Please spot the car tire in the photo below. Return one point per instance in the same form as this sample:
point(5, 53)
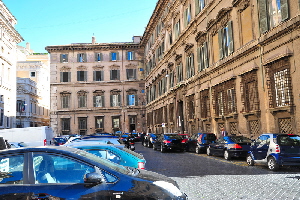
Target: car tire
point(227, 155)
point(208, 151)
point(162, 149)
point(249, 160)
point(197, 150)
point(272, 164)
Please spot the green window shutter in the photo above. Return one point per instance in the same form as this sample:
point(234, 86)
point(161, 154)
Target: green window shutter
point(127, 55)
point(220, 35)
point(118, 56)
point(133, 55)
point(284, 8)
point(119, 100)
point(84, 57)
point(187, 67)
point(78, 57)
point(110, 56)
point(230, 32)
point(85, 75)
point(102, 75)
point(111, 100)
point(136, 100)
point(78, 75)
point(118, 74)
point(197, 7)
point(101, 56)
point(103, 101)
point(205, 55)
point(199, 58)
point(61, 58)
point(127, 98)
point(193, 65)
point(69, 76)
point(263, 17)
point(94, 101)
point(96, 57)
point(94, 75)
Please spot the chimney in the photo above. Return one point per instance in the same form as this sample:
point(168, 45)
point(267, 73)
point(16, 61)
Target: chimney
point(93, 40)
point(136, 39)
point(28, 46)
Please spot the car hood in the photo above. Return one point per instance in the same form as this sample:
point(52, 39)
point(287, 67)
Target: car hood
point(153, 176)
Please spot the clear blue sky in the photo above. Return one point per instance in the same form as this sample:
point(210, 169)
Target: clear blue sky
point(59, 22)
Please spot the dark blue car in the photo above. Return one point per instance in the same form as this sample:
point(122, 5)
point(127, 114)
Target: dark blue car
point(230, 146)
point(69, 173)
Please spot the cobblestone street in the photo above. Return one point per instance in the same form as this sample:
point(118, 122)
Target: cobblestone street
point(268, 186)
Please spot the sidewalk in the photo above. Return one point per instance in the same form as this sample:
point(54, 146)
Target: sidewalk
point(250, 187)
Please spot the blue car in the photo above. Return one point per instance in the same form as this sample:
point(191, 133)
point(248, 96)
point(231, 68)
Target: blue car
point(69, 173)
point(275, 150)
point(123, 156)
point(230, 146)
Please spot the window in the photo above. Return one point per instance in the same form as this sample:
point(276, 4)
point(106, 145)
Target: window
point(115, 100)
point(179, 73)
point(66, 170)
point(200, 4)
point(282, 91)
point(114, 74)
point(272, 13)
point(98, 75)
point(171, 79)
point(132, 100)
point(99, 122)
point(131, 74)
point(98, 100)
point(82, 97)
point(11, 169)
point(225, 40)
point(63, 58)
point(231, 104)
point(130, 55)
point(98, 57)
point(205, 104)
point(65, 76)
point(190, 69)
point(249, 92)
point(81, 75)
point(220, 104)
point(177, 29)
point(114, 56)
point(65, 124)
point(202, 57)
point(187, 15)
point(81, 57)
point(20, 106)
point(65, 100)
point(82, 125)
point(115, 122)
point(32, 74)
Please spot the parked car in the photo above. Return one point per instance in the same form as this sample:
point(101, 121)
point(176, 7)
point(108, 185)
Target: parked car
point(199, 142)
point(17, 144)
point(123, 156)
point(102, 140)
point(275, 150)
point(57, 141)
point(169, 141)
point(69, 173)
point(230, 146)
point(149, 139)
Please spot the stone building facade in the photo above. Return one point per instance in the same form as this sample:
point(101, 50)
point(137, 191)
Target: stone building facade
point(97, 87)
point(232, 64)
point(9, 38)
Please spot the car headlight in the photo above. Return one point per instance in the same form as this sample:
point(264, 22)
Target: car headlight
point(169, 187)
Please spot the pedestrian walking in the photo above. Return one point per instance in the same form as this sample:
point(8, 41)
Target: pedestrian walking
point(224, 132)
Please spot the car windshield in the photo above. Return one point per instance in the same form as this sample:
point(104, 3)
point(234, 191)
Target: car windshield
point(240, 139)
point(289, 140)
point(174, 136)
point(60, 139)
point(104, 162)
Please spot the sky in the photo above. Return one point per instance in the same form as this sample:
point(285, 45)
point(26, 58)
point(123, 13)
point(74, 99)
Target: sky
point(60, 22)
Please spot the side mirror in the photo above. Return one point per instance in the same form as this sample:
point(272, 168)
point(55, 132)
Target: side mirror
point(92, 179)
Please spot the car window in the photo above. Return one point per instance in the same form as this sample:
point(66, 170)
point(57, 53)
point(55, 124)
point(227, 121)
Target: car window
point(263, 140)
point(289, 140)
point(105, 154)
point(173, 137)
point(240, 139)
point(57, 169)
point(11, 169)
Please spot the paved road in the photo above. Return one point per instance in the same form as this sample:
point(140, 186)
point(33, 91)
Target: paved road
point(208, 177)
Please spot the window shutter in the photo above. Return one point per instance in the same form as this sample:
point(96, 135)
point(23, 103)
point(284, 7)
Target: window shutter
point(84, 57)
point(110, 74)
point(193, 65)
point(135, 100)
point(78, 56)
point(187, 67)
point(78, 76)
point(111, 101)
point(133, 55)
point(119, 100)
point(102, 75)
point(61, 76)
point(197, 7)
point(94, 75)
point(61, 58)
point(284, 8)
point(85, 75)
point(110, 56)
point(103, 101)
point(220, 35)
point(134, 74)
point(94, 100)
point(118, 74)
point(96, 56)
point(230, 32)
point(127, 55)
point(263, 19)
point(128, 99)
point(117, 56)
point(199, 58)
point(205, 55)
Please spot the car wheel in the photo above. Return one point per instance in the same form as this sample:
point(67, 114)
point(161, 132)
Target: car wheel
point(249, 160)
point(272, 164)
point(162, 149)
point(208, 151)
point(226, 155)
point(197, 150)
point(153, 147)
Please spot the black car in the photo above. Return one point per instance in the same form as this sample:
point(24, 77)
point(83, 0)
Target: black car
point(199, 142)
point(230, 146)
point(69, 173)
point(169, 141)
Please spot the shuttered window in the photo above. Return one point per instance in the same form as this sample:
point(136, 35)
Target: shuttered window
point(81, 75)
point(202, 57)
point(98, 76)
point(225, 36)
point(114, 74)
point(98, 57)
point(65, 76)
point(63, 58)
point(131, 74)
point(81, 57)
